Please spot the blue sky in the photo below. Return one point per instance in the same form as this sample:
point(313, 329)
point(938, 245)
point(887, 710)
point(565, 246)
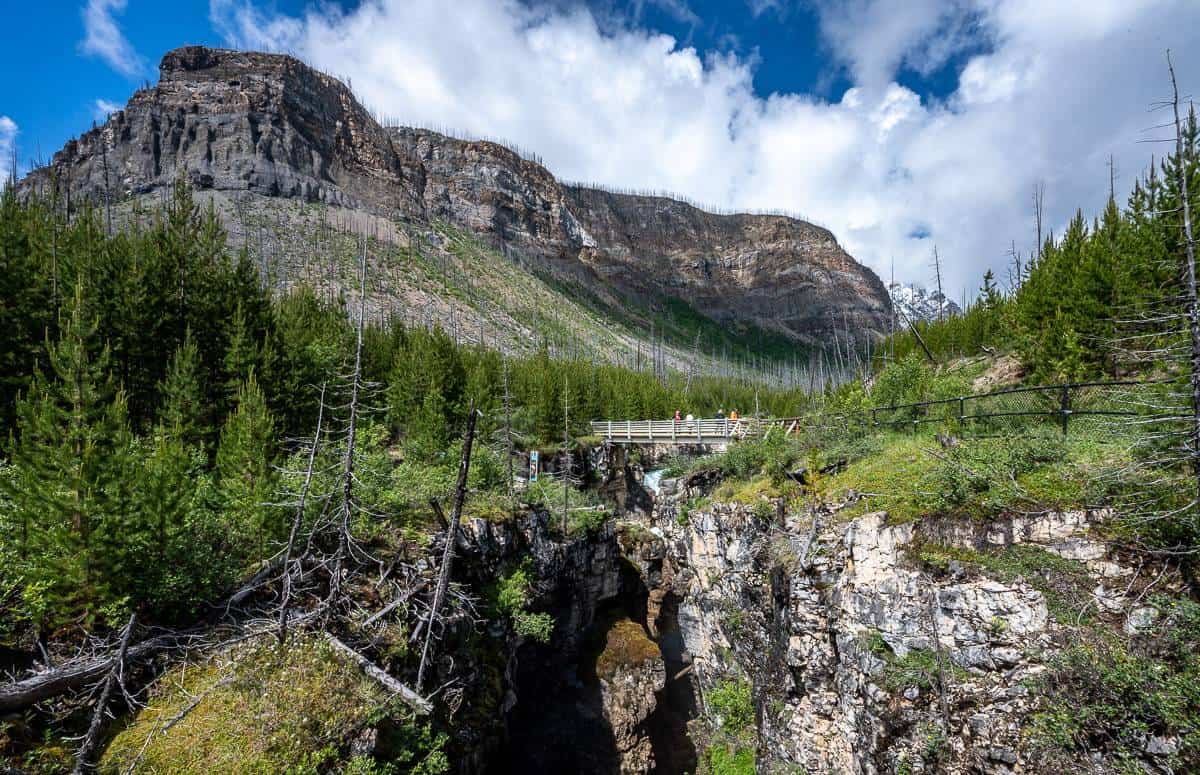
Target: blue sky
point(898, 124)
point(54, 85)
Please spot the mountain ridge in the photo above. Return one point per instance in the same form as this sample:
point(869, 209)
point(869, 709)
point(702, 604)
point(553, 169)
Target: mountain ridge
point(271, 126)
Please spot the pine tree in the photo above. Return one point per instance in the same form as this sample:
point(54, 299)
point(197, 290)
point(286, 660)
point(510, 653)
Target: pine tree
point(183, 415)
point(24, 305)
point(244, 474)
point(68, 465)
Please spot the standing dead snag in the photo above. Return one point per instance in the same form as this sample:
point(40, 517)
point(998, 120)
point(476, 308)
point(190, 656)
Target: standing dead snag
point(566, 474)
point(116, 676)
point(286, 596)
point(1193, 306)
point(346, 507)
point(460, 494)
point(508, 437)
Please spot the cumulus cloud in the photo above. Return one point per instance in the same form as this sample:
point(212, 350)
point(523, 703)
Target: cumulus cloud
point(1051, 91)
point(8, 139)
point(103, 38)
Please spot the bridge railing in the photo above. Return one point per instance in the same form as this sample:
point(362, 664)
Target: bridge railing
point(679, 431)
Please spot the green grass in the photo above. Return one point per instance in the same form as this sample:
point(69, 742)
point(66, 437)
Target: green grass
point(914, 476)
point(890, 480)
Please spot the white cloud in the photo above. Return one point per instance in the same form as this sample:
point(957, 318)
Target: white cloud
point(8, 139)
point(1060, 87)
point(102, 109)
point(103, 38)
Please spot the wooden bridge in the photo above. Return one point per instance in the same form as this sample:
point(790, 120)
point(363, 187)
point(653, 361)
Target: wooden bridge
point(685, 432)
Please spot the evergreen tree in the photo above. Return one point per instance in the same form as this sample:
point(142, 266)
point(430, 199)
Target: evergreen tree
point(24, 304)
point(245, 478)
point(68, 464)
point(183, 415)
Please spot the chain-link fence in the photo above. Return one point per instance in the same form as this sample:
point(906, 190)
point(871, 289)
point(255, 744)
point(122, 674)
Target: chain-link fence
point(1104, 408)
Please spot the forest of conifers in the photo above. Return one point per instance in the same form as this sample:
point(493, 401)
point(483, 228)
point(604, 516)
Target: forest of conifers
point(1081, 305)
point(152, 391)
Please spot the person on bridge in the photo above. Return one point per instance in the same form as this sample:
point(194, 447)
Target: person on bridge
point(733, 415)
point(677, 416)
point(720, 414)
point(690, 419)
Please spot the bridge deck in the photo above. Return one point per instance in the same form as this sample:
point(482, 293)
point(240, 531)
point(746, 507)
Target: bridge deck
point(676, 431)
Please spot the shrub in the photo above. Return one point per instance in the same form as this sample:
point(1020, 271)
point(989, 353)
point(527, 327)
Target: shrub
point(512, 595)
point(773, 456)
point(731, 702)
point(1104, 696)
point(722, 760)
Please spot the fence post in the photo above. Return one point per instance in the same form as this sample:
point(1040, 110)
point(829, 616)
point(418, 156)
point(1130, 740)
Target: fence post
point(1064, 407)
point(962, 411)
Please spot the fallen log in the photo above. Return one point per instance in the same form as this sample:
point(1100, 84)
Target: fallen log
point(410, 697)
point(51, 683)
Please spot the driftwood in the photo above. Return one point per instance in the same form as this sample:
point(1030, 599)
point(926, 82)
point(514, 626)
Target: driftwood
point(116, 669)
point(410, 697)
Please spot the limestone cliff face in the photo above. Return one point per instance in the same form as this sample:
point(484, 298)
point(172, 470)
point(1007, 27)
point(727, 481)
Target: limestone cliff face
point(269, 125)
point(817, 618)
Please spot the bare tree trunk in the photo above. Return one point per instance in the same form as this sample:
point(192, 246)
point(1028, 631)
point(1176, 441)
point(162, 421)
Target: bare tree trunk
point(1039, 199)
point(937, 646)
point(1193, 312)
point(460, 494)
point(566, 475)
point(410, 697)
point(352, 427)
point(508, 439)
point(937, 269)
point(298, 519)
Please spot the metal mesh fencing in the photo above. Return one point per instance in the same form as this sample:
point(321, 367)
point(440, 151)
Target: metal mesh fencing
point(1104, 409)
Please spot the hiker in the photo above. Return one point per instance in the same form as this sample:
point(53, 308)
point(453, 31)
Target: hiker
point(690, 419)
point(677, 416)
point(720, 414)
point(733, 415)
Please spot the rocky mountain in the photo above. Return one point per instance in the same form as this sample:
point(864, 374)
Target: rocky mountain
point(257, 132)
point(916, 303)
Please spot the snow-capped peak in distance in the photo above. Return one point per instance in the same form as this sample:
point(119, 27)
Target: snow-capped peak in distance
point(915, 303)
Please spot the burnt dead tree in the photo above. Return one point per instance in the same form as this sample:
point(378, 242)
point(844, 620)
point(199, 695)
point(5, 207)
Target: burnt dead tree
point(443, 582)
point(1190, 298)
point(290, 572)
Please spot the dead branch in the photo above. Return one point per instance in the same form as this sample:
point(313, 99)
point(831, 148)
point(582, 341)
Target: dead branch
point(51, 683)
point(403, 598)
point(410, 697)
point(83, 758)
